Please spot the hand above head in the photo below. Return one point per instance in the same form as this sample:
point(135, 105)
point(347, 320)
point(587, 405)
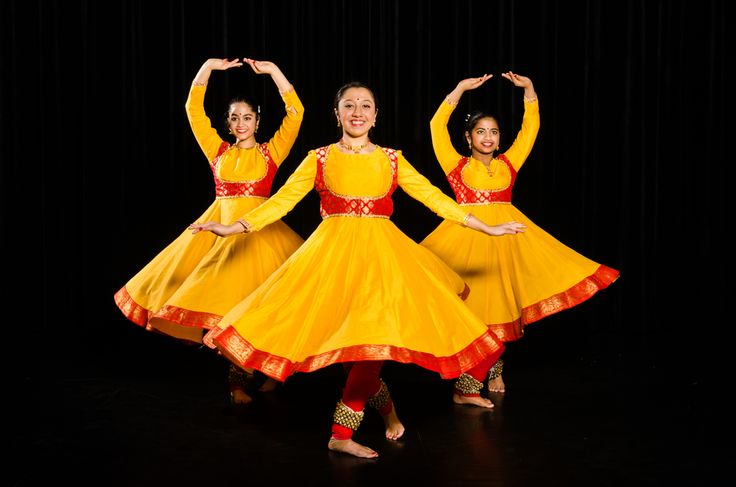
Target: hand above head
point(267, 67)
point(261, 67)
point(223, 64)
point(473, 83)
point(517, 79)
point(523, 82)
point(213, 64)
point(465, 85)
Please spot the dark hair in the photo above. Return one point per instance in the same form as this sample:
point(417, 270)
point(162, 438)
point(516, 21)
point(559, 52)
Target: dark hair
point(472, 119)
point(353, 84)
point(241, 99)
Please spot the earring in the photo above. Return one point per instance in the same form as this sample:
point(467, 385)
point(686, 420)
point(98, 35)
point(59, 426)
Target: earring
point(374, 123)
point(338, 122)
point(470, 146)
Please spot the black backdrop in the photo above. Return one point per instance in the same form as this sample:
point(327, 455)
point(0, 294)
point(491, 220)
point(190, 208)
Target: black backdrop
point(100, 169)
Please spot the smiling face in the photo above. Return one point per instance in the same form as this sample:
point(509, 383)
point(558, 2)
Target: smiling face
point(242, 122)
point(484, 137)
point(356, 112)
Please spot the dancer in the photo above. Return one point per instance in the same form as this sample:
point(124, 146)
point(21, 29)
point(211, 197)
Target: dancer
point(513, 282)
point(359, 291)
point(187, 288)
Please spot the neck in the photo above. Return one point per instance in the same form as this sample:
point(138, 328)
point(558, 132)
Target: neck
point(354, 145)
point(245, 143)
point(484, 158)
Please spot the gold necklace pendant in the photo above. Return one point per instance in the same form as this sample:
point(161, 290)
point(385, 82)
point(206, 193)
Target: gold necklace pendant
point(355, 148)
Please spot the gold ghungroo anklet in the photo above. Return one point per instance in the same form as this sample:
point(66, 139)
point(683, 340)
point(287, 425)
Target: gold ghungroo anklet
point(344, 416)
point(467, 385)
point(380, 398)
point(496, 370)
point(238, 378)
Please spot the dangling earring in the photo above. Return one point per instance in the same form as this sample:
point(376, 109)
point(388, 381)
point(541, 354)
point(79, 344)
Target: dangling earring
point(470, 146)
point(374, 123)
point(338, 122)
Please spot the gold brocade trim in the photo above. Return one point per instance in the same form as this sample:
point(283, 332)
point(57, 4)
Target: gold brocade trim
point(508, 332)
point(344, 416)
point(132, 310)
point(468, 385)
point(355, 215)
point(186, 317)
point(234, 196)
point(243, 353)
point(486, 203)
point(585, 289)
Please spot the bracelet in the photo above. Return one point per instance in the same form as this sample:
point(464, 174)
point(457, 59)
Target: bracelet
point(199, 83)
point(246, 227)
point(530, 100)
point(449, 102)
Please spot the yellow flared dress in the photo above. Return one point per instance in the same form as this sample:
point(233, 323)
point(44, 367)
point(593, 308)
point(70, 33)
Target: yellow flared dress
point(358, 288)
point(513, 282)
point(188, 287)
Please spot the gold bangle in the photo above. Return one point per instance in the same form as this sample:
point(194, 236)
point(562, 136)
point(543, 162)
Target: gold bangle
point(530, 100)
point(246, 227)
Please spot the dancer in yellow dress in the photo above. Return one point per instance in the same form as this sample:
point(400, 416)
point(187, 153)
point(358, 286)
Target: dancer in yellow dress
point(513, 282)
point(188, 287)
point(359, 291)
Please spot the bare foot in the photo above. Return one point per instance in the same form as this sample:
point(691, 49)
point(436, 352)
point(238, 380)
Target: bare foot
point(394, 428)
point(496, 385)
point(269, 385)
point(239, 397)
point(351, 448)
point(472, 401)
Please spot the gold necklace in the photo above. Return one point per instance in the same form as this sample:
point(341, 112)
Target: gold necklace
point(354, 148)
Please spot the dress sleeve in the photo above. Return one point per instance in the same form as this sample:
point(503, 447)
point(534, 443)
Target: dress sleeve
point(419, 188)
point(285, 199)
point(207, 137)
point(281, 143)
point(522, 146)
point(443, 149)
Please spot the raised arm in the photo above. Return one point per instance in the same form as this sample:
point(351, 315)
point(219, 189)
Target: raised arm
point(207, 137)
point(283, 140)
point(527, 135)
point(446, 154)
point(522, 82)
point(203, 75)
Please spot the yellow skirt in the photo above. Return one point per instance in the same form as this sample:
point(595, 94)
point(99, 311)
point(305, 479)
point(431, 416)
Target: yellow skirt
point(188, 287)
point(357, 289)
point(517, 279)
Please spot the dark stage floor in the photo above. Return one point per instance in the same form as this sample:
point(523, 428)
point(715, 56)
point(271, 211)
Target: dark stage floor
point(142, 421)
